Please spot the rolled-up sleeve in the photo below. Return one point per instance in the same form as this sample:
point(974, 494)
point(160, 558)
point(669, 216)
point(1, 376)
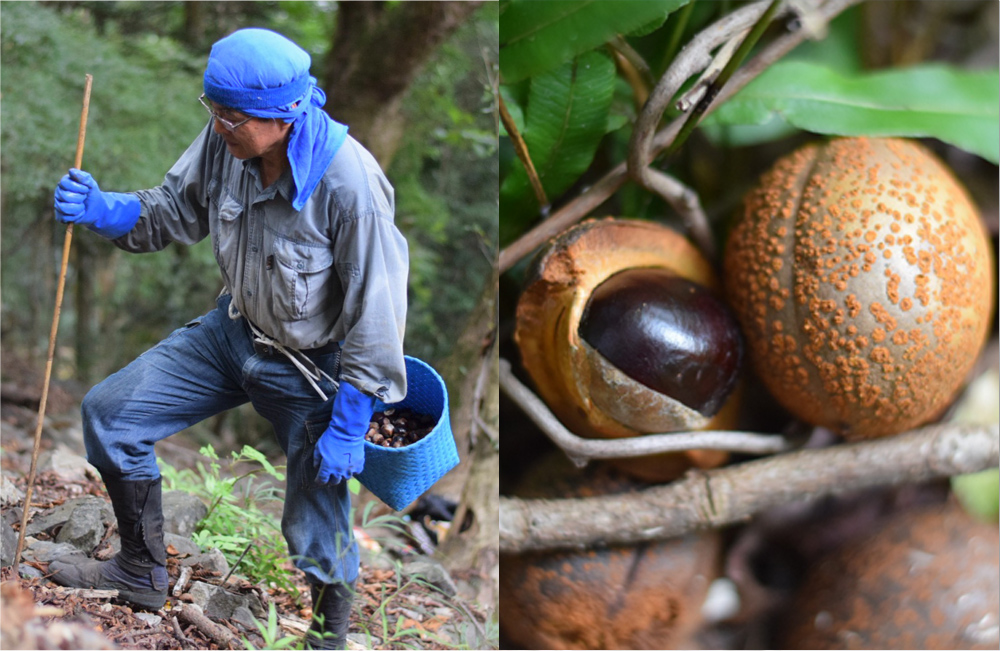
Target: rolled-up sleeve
point(177, 210)
point(372, 263)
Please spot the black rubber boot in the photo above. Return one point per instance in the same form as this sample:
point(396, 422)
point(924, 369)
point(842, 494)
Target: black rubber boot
point(139, 570)
point(331, 616)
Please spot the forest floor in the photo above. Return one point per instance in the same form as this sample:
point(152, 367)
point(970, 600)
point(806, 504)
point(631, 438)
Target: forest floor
point(392, 610)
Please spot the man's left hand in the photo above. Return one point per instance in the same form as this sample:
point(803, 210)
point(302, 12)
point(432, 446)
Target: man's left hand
point(340, 452)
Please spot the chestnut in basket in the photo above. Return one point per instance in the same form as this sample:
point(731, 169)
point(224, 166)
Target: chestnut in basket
point(396, 428)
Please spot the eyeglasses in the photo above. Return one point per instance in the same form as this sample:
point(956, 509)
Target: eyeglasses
point(223, 121)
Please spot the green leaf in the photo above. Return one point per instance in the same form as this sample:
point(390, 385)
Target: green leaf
point(979, 493)
point(929, 101)
point(254, 454)
point(539, 36)
point(565, 119)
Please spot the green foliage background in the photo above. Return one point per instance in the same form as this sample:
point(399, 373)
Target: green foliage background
point(144, 113)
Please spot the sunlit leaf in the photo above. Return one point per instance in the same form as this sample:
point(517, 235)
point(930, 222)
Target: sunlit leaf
point(539, 36)
point(934, 101)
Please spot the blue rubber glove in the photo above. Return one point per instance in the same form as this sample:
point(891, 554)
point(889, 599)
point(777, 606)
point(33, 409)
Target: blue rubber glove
point(340, 452)
point(80, 201)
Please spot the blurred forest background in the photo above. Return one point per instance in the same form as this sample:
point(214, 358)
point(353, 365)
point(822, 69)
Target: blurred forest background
point(412, 80)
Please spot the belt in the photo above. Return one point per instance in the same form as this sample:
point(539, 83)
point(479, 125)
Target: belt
point(264, 349)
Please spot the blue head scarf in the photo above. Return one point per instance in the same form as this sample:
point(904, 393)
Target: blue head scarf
point(263, 74)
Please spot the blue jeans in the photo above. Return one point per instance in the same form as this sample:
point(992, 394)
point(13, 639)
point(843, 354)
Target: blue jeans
point(202, 369)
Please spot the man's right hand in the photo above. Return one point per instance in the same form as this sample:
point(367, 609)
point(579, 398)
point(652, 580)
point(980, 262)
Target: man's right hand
point(78, 200)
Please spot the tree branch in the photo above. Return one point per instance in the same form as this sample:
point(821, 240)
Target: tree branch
point(690, 61)
point(715, 498)
point(581, 450)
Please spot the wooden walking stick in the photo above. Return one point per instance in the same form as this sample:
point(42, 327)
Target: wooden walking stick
point(52, 334)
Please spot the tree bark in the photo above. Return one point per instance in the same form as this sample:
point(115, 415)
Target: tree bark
point(472, 373)
point(378, 50)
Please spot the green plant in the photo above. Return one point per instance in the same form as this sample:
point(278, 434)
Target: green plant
point(237, 523)
point(271, 631)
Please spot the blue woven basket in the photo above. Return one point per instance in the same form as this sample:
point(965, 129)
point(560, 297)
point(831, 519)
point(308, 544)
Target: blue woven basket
point(397, 476)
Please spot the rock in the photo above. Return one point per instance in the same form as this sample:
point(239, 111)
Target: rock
point(8, 544)
point(243, 615)
point(67, 464)
point(84, 528)
point(184, 546)
point(9, 493)
point(182, 512)
point(149, 618)
point(210, 560)
point(432, 572)
point(43, 551)
point(218, 604)
point(61, 514)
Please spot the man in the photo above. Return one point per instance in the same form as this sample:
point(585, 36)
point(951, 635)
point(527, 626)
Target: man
point(309, 328)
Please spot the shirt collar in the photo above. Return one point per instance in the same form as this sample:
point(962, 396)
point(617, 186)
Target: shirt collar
point(282, 186)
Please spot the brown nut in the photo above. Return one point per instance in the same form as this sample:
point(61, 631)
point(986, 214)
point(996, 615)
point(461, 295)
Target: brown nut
point(598, 327)
point(861, 274)
point(643, 596)
point(928, 579)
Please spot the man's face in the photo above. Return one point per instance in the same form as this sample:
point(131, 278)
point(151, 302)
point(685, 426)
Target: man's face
point(256, 137)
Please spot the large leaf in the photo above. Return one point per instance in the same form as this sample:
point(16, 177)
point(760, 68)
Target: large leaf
point(538, 36)
point(565, 119)
point(937, 101)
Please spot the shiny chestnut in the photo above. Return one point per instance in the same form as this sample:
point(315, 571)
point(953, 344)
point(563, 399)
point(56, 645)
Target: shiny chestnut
point(623, 334)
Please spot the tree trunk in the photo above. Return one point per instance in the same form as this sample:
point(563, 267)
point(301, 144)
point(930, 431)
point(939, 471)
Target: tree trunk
point(473, 376)
point(378, 50)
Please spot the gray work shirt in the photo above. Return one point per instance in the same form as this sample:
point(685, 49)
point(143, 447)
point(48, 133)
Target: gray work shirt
point(334, 271)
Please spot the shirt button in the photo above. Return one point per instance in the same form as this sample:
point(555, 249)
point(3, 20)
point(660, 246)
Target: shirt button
point(299, 265)
point(254, 249)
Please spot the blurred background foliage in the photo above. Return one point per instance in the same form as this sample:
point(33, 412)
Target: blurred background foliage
point(147, 59)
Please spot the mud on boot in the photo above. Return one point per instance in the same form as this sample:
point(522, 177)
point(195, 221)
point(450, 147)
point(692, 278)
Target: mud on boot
point(139, 570)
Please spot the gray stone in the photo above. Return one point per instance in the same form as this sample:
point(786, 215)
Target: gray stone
point(67, 464)
point(183, 545)
point(84, 528)
point(43, 551)
point(29, 572)
point(149, 618)
point(182, 512)
point(217, 603)
point(213, 560)
point(433, 573)
point(243, 615)
point(9, 493)
point(8, 544)
point(61, 514)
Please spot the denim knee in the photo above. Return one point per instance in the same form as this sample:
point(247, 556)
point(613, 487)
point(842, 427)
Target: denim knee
point(97, 409)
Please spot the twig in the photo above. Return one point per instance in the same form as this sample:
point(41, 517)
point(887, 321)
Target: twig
point(60, 287)
point(581, 450)
point(236, 564)
point(687, 204)
point(521, 148)
point(179, 633)
point(691, 60)
point(715, 498)
point(87, 593)
point(182, 580)
point(717, 84)
point(191, 614)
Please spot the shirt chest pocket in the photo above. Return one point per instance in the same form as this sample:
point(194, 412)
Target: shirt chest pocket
point(226, 236)
point(300, 275)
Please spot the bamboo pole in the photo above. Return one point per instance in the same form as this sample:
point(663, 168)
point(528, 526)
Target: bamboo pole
point(67, 241)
